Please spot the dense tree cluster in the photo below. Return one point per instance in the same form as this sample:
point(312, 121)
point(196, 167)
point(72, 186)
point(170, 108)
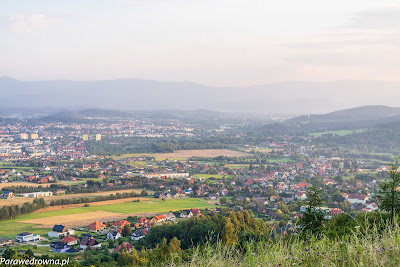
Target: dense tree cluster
point(228, 227)
point(10, 212)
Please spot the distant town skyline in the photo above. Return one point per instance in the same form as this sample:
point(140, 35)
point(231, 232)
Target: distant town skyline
point(219, 42)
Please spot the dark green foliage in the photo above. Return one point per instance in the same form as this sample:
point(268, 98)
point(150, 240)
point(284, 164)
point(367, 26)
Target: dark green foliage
point(313, 217)
point(389, 195)
point(201, 229)
point(9, 212)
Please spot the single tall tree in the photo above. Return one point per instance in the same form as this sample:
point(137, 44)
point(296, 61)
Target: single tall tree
point(313, 217)
point(389, 194)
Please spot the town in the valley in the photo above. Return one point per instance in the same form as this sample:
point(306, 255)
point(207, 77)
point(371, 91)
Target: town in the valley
point(99, 183)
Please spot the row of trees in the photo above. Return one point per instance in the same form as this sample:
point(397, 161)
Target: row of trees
point(10, 212)
point(80, 200)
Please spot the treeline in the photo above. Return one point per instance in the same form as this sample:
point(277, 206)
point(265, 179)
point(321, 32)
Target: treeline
point(228, 227)
point(24, 189)
point(80, 200)
point(10, 212)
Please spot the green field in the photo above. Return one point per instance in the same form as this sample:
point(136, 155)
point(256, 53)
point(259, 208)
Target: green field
point(339, 133)
point(11, 228)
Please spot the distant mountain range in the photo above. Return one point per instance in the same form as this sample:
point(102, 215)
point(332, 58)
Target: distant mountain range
point(134, 94)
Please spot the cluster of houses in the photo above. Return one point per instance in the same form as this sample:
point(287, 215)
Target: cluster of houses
point(68, 243)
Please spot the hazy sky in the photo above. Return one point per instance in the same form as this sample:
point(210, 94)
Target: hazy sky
point(215, 42)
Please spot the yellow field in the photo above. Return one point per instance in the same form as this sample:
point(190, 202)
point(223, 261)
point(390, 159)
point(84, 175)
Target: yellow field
point(74, 219)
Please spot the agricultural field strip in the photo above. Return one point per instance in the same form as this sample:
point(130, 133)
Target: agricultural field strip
point(153, 205)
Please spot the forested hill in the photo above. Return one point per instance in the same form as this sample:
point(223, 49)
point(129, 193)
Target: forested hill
point(364, 113)
point(382, 139)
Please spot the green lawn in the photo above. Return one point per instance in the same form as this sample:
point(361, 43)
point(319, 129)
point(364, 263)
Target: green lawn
point(11, 228)
point(39, 250)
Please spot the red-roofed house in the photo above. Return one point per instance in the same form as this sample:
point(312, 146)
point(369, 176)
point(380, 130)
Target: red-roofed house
point(335, 211)
point(159, 218)
point(121, 224)
point(70, 240)
point(128, 247)
point(96, 226)
point(195, 212)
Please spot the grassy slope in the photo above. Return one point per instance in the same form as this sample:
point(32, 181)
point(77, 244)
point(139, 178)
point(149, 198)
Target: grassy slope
point(368, 250)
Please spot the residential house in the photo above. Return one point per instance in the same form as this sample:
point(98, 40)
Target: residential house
point(90, 242)
point(141, 221)
point(70, 240)
point(170, 216)
point(357, 198)
point(60, 247)
point(121, 224)
point(26, 237)
point(96, 227)
point(214, 196)
point(195, 212)
point(273, 198)
point(186, 214)
point(60, 230)
point(128, 247)
point(113, 234)
point(137, 235)
point(158, 219)
point(300, 195)
point(335, 211)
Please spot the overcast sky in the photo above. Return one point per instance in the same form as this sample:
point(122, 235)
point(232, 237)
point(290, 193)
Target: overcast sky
point(214, 42)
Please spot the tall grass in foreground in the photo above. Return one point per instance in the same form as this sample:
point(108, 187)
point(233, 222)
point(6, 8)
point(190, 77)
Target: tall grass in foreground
point(358, 249)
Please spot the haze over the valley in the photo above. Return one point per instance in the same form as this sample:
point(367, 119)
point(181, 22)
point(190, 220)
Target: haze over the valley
point(130, 94)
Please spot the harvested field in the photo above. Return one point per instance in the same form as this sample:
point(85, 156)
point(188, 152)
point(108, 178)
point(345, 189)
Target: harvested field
point(74, 220)
point(201, 153)
point(2, 185)
point(22, 200)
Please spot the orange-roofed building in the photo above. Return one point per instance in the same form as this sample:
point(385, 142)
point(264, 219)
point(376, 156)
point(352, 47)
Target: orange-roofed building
point(96, 226)
point(121, 224)
point(142, 221)
point(70, 240)
point(335, 211)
